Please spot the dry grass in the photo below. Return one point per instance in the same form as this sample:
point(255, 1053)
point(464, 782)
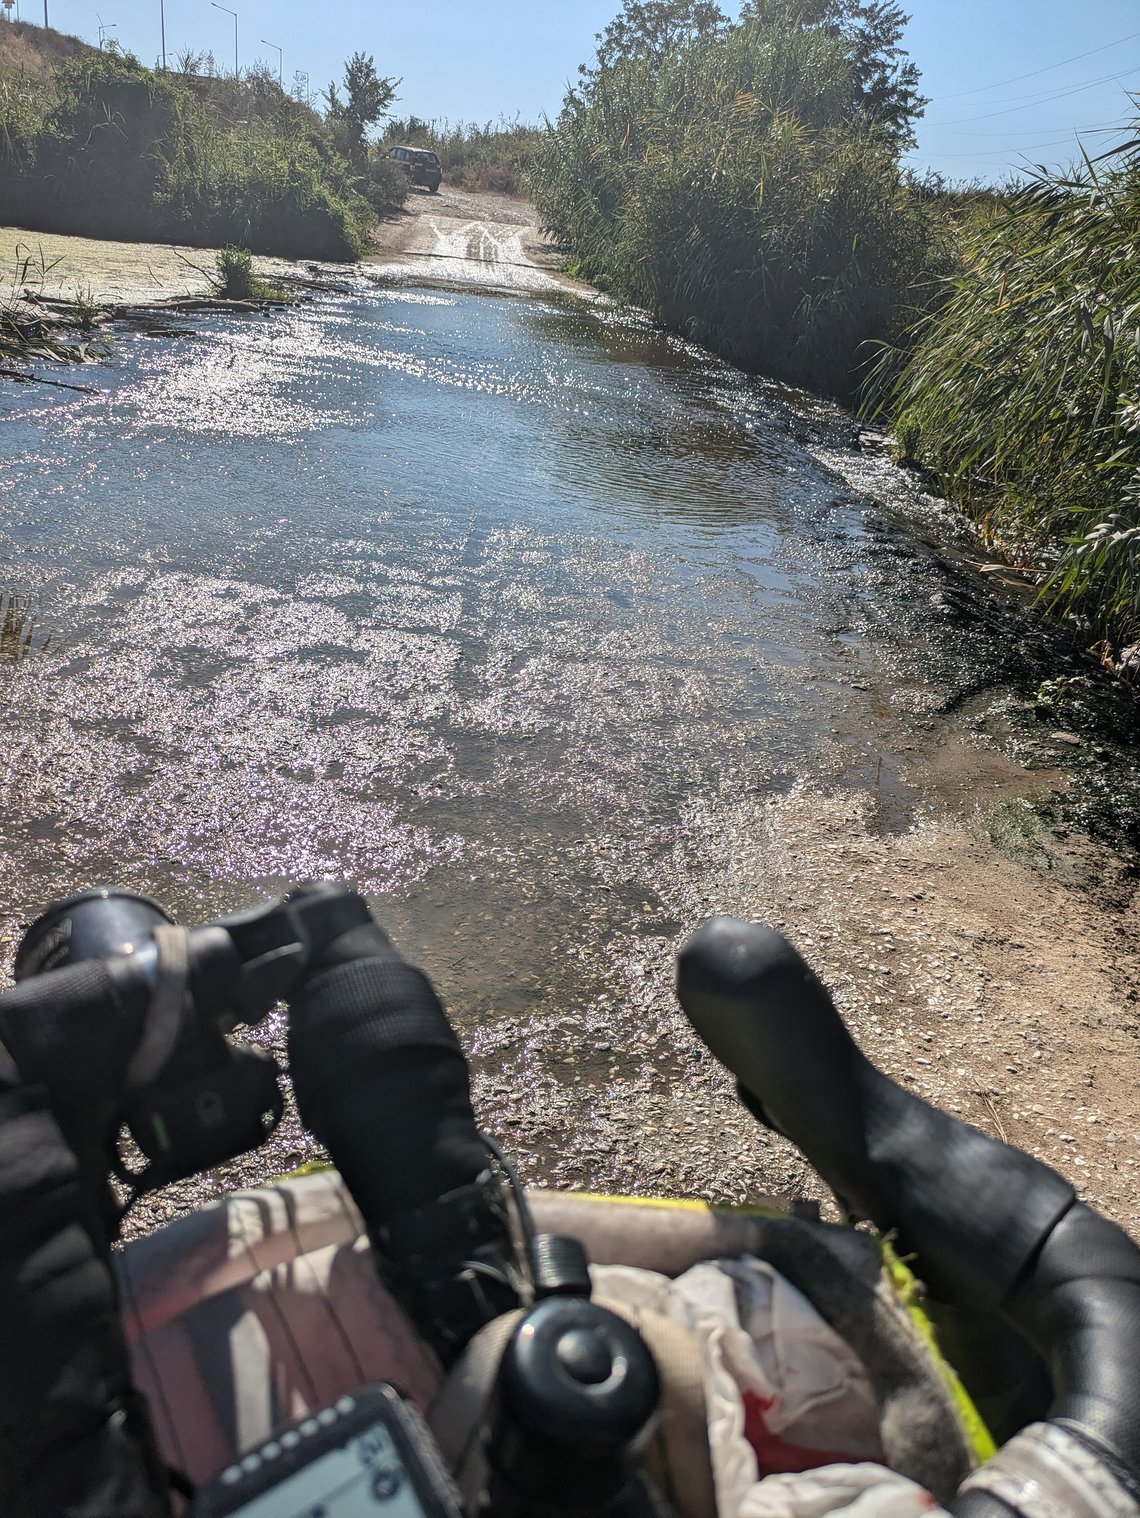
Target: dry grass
point(19, 634)
point(37, 51)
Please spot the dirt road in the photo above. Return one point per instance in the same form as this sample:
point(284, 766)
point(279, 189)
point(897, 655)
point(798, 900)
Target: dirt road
point(453, 237)
point(468, 238)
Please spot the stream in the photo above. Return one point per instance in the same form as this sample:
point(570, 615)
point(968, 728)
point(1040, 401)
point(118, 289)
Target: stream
point(510, 610)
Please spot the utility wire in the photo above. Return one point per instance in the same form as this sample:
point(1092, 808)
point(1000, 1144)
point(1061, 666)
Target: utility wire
point(1027, 131)
point(1042, 100)
point(1049, 67)
point(1053, 90)
point(1072, 141)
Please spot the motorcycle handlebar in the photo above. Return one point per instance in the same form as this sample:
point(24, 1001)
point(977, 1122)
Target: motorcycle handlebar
point(381, 1079)
point(991, 1226)
point(122, 1017)
point(378, 1072)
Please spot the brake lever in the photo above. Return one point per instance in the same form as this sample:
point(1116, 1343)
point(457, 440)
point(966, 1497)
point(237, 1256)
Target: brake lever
point(244, 963)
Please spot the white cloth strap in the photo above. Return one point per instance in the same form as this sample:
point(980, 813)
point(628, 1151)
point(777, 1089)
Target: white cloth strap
point(167, 1009)
point(1045, 1472)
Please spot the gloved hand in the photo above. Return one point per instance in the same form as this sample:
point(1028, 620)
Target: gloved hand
point(381, 1080)
point(378, 1072)
point(74, 1436)
point(73, 1033)
point(339, 926)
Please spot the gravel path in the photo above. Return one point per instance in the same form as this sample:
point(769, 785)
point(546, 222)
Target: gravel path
point(1002, 989)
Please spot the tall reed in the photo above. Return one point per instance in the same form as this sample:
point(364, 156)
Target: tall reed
point(1022, 392)
point(730, 190)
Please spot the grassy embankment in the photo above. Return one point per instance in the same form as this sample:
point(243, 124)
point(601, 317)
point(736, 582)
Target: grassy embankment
point(95, 144)
point(742, 186)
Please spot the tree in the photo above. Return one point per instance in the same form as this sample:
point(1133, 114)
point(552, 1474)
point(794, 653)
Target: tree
point(886, 79)
point(652, 29)
point(412, 129)
point(368, 99)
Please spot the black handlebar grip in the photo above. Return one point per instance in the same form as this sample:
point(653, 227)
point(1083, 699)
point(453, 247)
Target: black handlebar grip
point(577, 1387)
point(1081, 1304)
point(975, 1210)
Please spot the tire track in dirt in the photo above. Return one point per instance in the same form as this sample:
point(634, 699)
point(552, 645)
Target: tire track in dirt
point(462, 238)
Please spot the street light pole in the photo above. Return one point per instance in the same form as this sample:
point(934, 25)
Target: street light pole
point(266, 43)
point(162, 29)
point(228, 12)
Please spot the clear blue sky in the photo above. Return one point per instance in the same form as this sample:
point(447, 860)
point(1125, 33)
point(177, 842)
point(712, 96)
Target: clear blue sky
point(478, 59)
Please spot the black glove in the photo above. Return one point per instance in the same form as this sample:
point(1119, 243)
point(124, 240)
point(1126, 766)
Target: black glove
point(74, 1435)
point(73, 1033)
point(382, 1082)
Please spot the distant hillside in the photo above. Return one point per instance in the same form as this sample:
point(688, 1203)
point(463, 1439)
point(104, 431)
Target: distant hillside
point(37, 50)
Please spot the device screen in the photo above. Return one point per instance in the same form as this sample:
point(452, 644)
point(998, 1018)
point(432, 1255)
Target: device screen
point(352, 1481)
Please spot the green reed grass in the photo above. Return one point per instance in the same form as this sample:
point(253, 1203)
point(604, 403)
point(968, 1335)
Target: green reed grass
point(235, 279)
point(1022, 392)
point(106, 148)
point(730, 189)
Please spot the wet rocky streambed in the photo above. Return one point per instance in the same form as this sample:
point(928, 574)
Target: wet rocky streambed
point(553, 636)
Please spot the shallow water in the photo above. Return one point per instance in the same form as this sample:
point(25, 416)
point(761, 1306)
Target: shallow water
point(488, 603)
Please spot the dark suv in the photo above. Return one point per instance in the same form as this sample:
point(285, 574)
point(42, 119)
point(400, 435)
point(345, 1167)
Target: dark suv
point(420, 165)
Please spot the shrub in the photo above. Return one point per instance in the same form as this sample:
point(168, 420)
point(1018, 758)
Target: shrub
point(384, 184)
point(728, 188)
point(235, 280)
point(116, 150)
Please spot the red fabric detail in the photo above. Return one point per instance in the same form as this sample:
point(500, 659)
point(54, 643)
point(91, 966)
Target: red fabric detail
point(776, 1456)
